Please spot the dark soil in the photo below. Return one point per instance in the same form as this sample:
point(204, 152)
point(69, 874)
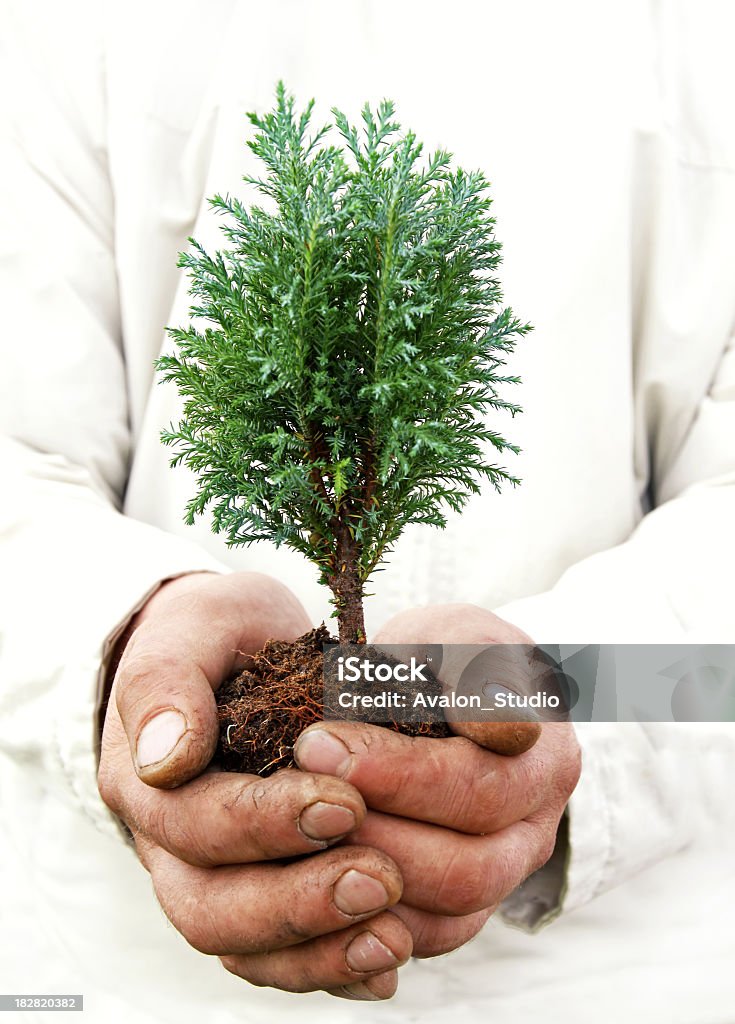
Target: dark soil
point(264, 709)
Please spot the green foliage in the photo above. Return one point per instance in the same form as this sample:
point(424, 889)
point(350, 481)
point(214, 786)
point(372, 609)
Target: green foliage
point(347, 345)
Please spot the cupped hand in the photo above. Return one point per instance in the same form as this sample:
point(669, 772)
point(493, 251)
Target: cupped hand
point(223, 849)
point(466, 826)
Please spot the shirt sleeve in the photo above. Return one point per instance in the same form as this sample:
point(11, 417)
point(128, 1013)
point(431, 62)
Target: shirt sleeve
point(73, 568)
point(648, 790)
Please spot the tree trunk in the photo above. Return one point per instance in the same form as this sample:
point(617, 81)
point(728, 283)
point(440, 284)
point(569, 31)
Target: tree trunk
point(346, 585)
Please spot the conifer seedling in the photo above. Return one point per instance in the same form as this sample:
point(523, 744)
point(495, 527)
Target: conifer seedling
point(346, 348)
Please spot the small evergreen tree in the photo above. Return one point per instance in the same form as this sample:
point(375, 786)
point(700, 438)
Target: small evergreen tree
point(349, 347)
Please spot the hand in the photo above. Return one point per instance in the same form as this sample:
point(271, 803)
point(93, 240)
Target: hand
point(464, 825)
point(213, 842)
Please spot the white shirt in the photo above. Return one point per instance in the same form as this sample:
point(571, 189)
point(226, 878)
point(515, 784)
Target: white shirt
point(607, 133)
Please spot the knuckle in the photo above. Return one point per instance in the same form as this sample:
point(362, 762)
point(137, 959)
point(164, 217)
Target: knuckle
point(244, 968)
point(182, 830)
point(142, 654)
point(373, 859)
point(291, 787)
point(538, 846)
point(164, 827)
point(457, 613)
point(534, 778)
point(364, 740)
point(193, 933)
point(463, 801)
point(386, 757)
point(477, 795)
point(157, 824)
point(463, 886)
point(108, 786)
point(232, 964)
point(275, 599)
point(305, 979)
point(142, 848)
point(262, 971)
point(431, 939)
point(258, 805)
point(134, 682)
point(143, 664)
point(200, 927)
point(568, 770)
point(509, 870)
point(184, 919)
point(392, 787)
point(428, 946)
point(491, 793)
point(544, 850)
point(435, 937)
point(574, 766)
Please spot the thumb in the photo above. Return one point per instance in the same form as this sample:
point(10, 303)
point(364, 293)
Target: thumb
point(167, 707)
point(459, 631)
point(191, 637)
point(508, 738)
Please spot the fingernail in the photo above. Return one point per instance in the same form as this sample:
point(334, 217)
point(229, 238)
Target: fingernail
point(355, 893)
point(359, 990)
point(320, 751)
point(159, 736)
point(326, 821)
point(367, 953)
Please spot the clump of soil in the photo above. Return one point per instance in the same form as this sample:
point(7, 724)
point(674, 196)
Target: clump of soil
point(264, 709)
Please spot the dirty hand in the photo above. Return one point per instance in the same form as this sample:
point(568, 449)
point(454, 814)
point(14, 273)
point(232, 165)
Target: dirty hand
point(319, 922)
point(465, 826)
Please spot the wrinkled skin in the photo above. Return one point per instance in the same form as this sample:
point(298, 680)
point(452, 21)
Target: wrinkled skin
point(413, 842)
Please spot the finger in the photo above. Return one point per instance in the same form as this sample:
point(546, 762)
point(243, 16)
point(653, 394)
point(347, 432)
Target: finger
point(176, 659)
point(506, 738)
point(463, 630)
point(457, 623)
point(449, 782)
point(347, 957)
point(228, 818)
point(258, 908)
point(383, 986)
point(455, 874)
point(436, 934)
